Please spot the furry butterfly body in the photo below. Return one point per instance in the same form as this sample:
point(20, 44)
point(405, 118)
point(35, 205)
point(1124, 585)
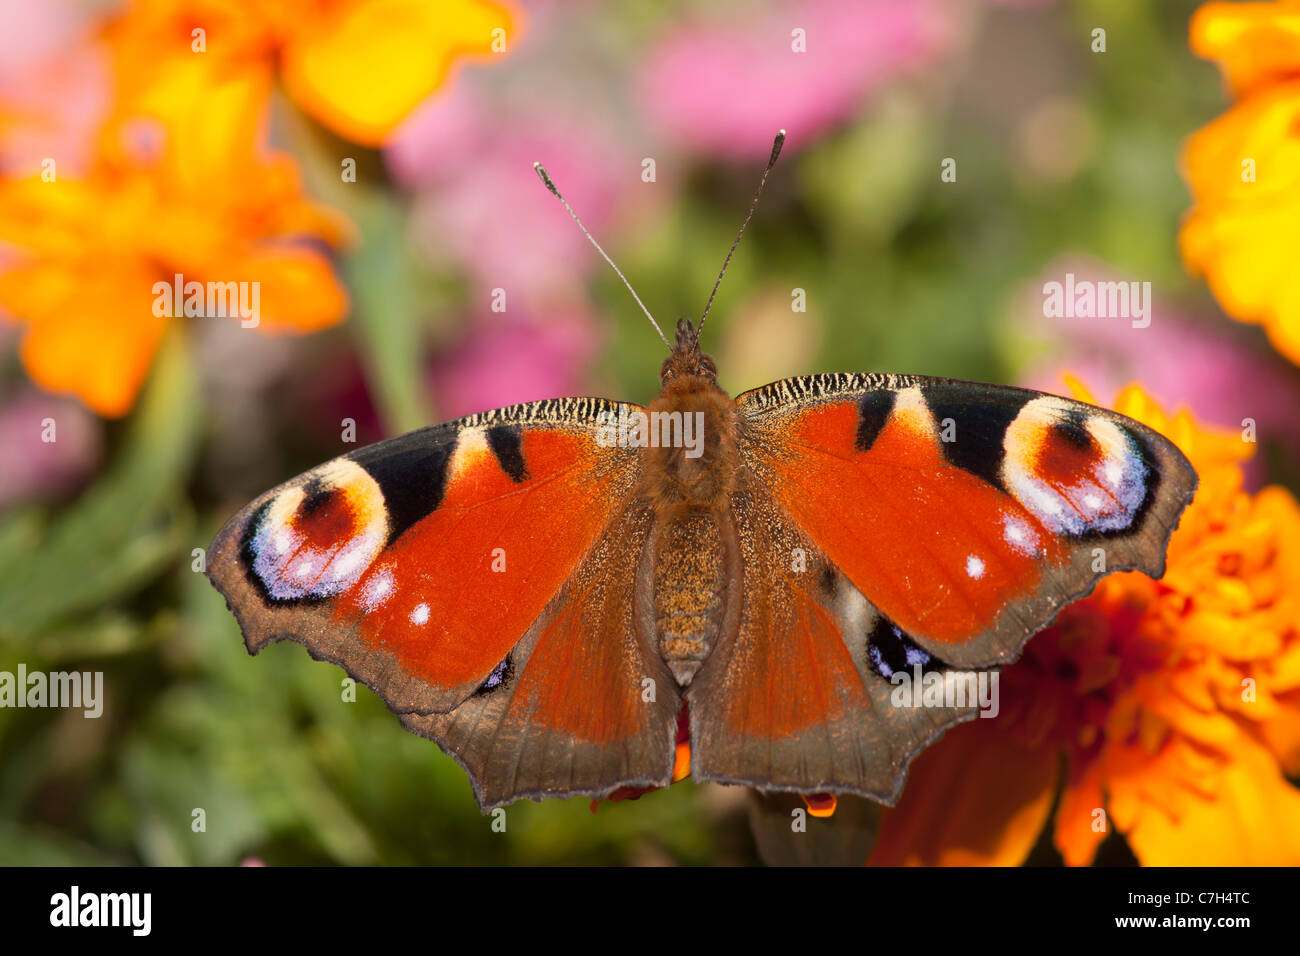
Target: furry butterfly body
point(545, 603)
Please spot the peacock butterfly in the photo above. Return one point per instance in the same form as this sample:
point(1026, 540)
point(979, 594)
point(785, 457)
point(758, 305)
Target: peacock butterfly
point(548, 590)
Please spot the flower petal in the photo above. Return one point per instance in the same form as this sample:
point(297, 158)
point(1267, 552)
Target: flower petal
point(362, 67)
point(976, 798)
point(94, 338)
point(1253, 819)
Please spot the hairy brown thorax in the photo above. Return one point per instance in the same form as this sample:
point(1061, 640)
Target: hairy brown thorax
point(691, 554)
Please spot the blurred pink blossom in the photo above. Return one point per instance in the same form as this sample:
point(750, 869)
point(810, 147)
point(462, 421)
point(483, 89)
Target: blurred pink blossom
point(512, 358)
point(50, 446)
point(480, 205)
point(54, 85)
point(726, 87)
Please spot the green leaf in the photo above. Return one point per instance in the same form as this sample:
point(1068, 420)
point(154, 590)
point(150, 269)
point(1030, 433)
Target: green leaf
point(387, 312)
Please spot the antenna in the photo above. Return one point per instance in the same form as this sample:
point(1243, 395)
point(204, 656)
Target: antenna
point(541, 171)
point(771, 161)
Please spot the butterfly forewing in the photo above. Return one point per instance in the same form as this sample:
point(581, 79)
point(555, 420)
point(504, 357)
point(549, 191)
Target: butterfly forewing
point(418, 563)
point(968, 514)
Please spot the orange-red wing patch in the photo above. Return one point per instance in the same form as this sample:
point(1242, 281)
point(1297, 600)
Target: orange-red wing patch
point(462, 585)
point(789, 673)
point(584, 676)
point(419, 563)
point(926, 541)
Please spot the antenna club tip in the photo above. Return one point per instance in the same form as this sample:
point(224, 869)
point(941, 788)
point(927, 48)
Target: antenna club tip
point(777, 143)
point(540, 170)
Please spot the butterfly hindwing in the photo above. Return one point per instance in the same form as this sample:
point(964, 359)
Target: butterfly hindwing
point(583, 704)
point(418, 563)
point(800, 696)
point(968, 514)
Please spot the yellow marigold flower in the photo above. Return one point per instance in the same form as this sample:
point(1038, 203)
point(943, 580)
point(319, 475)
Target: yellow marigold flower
point(1166, 710)
point(200, 200)
point(1255, 43)
point(1244, 168)
point(357, 66)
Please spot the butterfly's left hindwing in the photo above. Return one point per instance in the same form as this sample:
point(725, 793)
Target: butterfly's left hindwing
point(419, 563)
point(967, 514)
point(583, 704)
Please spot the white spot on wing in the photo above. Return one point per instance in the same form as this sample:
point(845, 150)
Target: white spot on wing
point(1019, 535)
point(378, 590)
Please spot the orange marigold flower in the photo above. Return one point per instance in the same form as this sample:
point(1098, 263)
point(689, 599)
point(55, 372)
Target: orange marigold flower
point(200, 200)
point(1244, 168)
point(1166, 710)
point(357, 66)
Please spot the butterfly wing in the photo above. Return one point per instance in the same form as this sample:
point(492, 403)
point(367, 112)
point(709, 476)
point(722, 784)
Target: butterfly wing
point(968, 514)
point(583, 704)
point(799, 696)
point(898, 524)
point(417, 564)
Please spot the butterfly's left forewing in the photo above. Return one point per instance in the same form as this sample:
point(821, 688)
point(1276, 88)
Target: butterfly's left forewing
point(478, 576)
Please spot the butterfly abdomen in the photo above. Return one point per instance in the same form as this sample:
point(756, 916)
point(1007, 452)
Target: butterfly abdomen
point(692, 553)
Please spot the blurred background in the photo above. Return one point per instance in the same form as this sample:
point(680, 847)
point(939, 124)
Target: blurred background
point(369, 163)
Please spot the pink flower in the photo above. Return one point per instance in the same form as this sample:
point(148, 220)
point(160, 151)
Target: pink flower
point(50, 444)
point(481, 207)
point(54, 85)
point(726, 87)
point(514, 358)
